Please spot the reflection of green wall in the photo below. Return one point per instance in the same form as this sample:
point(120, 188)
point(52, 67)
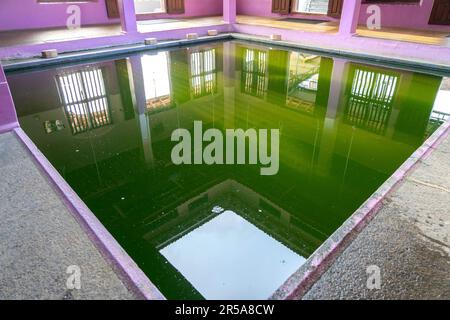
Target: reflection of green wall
point(278, 76)
point(179, 75)
point(124, 80)
point(323, 87)
point(415, 100)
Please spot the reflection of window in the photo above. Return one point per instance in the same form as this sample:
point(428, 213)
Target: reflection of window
point(149, 6)
point(371, 98)
point(441, 107)
point(203, 72)
point(84, 97)
point(156, 80)
point(254, 72)
point(303, 81)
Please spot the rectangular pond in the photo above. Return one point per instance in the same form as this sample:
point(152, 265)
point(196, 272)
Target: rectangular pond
point(215, 226)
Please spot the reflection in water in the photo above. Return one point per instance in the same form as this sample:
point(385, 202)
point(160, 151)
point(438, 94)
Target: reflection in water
point(216, 246)
point(156, 80)
point(84, 98)
point(441, 109)
point(345, 128)
point(303, 81)
point(203, 72)
point(371, 98)
point(254, 72)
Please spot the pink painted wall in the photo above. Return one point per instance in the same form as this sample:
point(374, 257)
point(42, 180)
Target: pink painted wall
point(263, 8)
point(392, 15)
point(193, 8)
point(411, 16)
point(28, 14)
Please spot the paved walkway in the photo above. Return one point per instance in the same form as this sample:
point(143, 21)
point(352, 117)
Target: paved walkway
point(39, 238)
point(409, 240)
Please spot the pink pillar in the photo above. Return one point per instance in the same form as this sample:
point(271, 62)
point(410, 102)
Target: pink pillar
point(8, 116)
point(349, 17)
point(229, 11)
point(127, 16)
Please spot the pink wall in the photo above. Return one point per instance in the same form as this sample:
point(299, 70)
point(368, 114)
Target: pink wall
point(264, 8)
point(411, 16)
point(392, 15)
point(28, 14)
point(193, 8)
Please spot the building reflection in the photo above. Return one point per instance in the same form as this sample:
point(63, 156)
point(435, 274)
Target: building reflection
point(370, 99)
point(203, 72)
point(303, 81)
point(254, 76)
point(157, 84)
point(83, 96)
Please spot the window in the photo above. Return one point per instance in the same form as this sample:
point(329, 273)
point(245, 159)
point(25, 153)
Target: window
point(254, 72)
point(157, 81)
point(311, 6)
point(150, 6)
point(371, 98)
point(84, 98)
point(203, 74)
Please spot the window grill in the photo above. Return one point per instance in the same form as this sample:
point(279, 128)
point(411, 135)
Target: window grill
point(254, 72)
point(371, 99)
point(203, 73)
point(83, 96)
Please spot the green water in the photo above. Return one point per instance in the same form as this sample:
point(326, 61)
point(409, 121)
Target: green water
point(106, 127)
